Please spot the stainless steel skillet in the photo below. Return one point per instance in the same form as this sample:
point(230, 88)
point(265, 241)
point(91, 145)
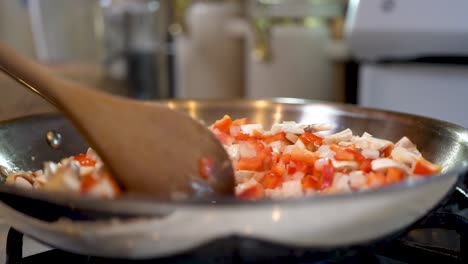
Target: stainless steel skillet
point(321, 221)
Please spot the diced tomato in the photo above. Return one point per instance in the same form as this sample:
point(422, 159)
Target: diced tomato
point(311, 140)
point(281, 136)
point(88, 182)
point(328, 173)
point(271, 180)
point(254, 192)
point(240, 122)
point(84, 160)
point(302, 155)
point(205, 168)
point(425, 167)
point(253, 164)
point(223, 124)
point(310, 182)
point(375, 179)
point(393, 175)
point(366, 165)
point(386, 152)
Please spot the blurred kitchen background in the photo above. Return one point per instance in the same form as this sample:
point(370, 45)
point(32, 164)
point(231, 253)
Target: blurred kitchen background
point(408, 56)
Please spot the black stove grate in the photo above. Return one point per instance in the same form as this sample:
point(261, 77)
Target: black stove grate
point(240, 250)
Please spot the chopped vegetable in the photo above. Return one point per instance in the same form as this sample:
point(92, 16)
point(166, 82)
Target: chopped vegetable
point(425, 167)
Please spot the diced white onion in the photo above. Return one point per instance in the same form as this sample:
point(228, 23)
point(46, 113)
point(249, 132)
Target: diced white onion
point(234, 130)
point(243, 175)
point(246, 150)
point(299, 144)
point(249, 128)
point(357, 179)
point(288, 149)
point(321, 127)
point(352, 165)
point(344, 135)
point(370, 153)
point(277, 146)
point(291, 137)
point(384, 163)
point(319, 163)
point(324, 151)
point(233, 151)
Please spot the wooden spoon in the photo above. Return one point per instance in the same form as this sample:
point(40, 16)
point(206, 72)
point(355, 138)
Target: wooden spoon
point(149, 148)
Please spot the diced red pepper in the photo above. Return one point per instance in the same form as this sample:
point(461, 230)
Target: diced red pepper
point(357, 155)
point(302, 155)
point(84, 160)
point(366, 165)
point(344, 156)
point(253, 164)
point(387, 151)
point(88, 182)
point(279, 168)
point(310, 140)
point(347, 154)
point(223, 137)
point(292, 169)
point(223, 124)
point(328, 173)
point(425, 167)
point(310, 182)
point(256, 144)
point(393, 175)
point(298, 166)
point(240, 122)
point(242, 136)
point(271, 180)
point(257, 134)
point(376, 179)
point(281, 136)
point(285, 158)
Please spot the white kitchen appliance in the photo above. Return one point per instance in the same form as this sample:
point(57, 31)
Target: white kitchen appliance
point(413, 56)
point(259, 49)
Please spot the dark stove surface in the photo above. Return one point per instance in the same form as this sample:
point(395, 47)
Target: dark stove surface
point(441, 237)
point(232, 251)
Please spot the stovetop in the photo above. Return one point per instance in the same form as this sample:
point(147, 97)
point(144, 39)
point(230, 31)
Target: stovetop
point(441, 237)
